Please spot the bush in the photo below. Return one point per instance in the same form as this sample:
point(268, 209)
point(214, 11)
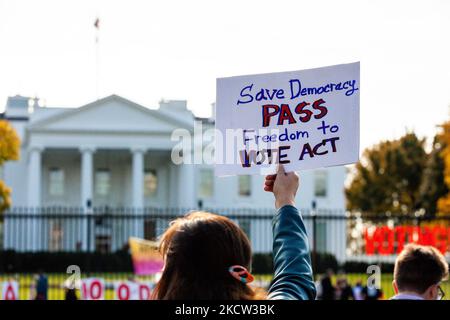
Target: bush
point(263, 263)
point(12, 261)
point(355, 267)
point(120, 261)
point(361, 267)
point(324, 261)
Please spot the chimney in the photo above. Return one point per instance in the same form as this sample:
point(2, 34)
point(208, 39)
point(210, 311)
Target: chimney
point(173, 105)
point(19, 106)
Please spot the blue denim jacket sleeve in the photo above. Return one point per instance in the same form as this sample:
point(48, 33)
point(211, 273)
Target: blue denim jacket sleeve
point(293, 278)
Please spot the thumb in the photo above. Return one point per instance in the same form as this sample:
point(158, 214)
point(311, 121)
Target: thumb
point(281, 170)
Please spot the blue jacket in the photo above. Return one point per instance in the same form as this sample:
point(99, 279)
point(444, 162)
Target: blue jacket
point(293, 278)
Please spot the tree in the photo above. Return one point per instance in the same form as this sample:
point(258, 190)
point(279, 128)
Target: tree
point(9, 150)
point(433, 185)
point(387, 179)
point(444, 201)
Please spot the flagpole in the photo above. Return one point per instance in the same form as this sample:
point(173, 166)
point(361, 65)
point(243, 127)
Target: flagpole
point(97, 57)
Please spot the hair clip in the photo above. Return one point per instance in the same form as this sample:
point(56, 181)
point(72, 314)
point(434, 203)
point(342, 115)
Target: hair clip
point(240, 273)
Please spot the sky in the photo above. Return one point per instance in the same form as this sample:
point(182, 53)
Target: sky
point(153, 50)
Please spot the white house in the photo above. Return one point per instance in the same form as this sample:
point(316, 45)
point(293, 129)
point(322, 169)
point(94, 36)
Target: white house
point(116, 152)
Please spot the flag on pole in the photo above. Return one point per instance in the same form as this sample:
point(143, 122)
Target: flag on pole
point(97, 55)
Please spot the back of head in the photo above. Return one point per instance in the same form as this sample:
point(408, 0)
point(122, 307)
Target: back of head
point(419, 267)
point(198, 249)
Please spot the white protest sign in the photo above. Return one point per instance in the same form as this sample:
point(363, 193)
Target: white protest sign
point(10, 290)
point(92, 289)
point(129, 290)
point(303, 119)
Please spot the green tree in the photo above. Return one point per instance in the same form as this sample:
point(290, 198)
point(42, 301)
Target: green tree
point(388, 177)
point(433, 185)
point(9, 150)
point(444, 201)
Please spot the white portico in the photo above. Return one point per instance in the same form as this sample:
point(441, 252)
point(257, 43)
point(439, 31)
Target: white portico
point(105, 149)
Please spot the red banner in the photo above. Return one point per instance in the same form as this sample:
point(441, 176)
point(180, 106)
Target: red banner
point(385, 240)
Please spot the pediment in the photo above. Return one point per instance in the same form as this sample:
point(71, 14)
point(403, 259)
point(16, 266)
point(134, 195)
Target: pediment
point(110, 114)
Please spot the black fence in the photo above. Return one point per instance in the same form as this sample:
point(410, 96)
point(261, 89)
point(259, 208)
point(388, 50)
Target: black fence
point(104, 230)
point(96, 241)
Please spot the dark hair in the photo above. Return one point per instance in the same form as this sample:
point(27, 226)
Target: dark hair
point(419, 267)
point(198, 249)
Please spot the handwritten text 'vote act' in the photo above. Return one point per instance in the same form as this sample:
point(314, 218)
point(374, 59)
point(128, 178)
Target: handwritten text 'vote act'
point(305, 119)
point(303, 112)
point(279, 154)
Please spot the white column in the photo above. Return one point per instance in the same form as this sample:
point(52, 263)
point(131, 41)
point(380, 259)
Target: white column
point(186, 186)
point(173, 186)
point(138, 178)
point(137, 187)
point(87, 165)
point(33, 235)
point(34, 176)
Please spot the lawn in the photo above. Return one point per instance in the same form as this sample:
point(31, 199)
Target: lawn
point(56, 292)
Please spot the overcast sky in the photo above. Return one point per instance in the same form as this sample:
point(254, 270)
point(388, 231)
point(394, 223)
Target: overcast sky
point(150, 50)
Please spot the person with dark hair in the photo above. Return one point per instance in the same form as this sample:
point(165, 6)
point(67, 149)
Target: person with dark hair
point(70, 294)
point(371, 293)
point(208, 257)
point(345, 290)
point(328, 290)
point(358, 291)
point(418, 273)
point(41, 286)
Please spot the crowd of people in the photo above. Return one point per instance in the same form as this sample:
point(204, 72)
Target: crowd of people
point(208, 257)
point(343, 290)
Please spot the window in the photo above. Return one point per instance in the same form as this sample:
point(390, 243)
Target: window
point(150, 230)
point(206, 188)
point(56, 182)
point(150, 182)
point(245, 188)
point(103, 243)
point(320, 183)
point(321, 237)
point(102, 182)
point(56, 236)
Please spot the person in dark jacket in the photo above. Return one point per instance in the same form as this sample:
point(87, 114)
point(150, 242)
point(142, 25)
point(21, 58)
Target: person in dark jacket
point(328, 290)
point(41, 286)
point(70, 294)
point(208, 257)
point(344, 289)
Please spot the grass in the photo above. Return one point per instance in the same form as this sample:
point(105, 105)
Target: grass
point(56, 280)
point(56, 291)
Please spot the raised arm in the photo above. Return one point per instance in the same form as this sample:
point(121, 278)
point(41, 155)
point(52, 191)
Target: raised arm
point(293, 278)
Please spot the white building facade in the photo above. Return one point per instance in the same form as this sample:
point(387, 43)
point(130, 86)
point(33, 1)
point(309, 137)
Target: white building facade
point(116, 153)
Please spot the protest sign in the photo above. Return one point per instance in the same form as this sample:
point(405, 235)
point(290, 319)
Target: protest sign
point(145, 256)
point(10, 290)
point(303, 119)
point(92, 289)
point(129, 290)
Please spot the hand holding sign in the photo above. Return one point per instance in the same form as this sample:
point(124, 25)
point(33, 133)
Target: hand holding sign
point(304, 119)
point(283, 185)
